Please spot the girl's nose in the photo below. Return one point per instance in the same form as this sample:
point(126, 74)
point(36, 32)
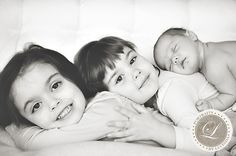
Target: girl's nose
point(52, 102)
point(175, 60)
point(55, 104)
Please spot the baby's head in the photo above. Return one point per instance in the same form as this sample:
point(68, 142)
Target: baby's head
point(178, 50)
point(40, 87)
point(112, 64)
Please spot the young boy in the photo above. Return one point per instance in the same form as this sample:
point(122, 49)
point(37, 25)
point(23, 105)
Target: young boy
point(114, 65)
point(179, 50)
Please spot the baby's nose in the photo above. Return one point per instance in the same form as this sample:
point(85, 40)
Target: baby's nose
point(136, 73)
point(175, 60)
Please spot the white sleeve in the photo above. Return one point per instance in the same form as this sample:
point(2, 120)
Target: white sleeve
point(23, 135)
point(178, 102)
point(92, 126)
point(184, 141)
point(206, 90)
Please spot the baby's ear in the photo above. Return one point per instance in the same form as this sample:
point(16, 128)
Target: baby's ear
point(191, 35)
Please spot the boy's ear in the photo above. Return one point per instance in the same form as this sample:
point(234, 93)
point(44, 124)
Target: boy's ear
point(191, 35)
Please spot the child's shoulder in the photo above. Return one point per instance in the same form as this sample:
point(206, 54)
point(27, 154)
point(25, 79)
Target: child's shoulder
point(171, 76)
point(107, 99)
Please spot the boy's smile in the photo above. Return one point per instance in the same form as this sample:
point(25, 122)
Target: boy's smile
point(133, 77)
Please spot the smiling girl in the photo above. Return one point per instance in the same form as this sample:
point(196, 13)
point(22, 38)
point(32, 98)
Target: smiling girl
point(42, 104)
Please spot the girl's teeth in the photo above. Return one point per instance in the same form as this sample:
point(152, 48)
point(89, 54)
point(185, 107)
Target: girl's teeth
point(64, 112)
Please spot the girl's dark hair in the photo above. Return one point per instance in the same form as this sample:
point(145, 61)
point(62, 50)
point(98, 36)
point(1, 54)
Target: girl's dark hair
point(17, 65)
point(93, 59)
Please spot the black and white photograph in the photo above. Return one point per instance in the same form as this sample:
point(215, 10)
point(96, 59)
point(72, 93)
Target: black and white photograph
point(118, 77)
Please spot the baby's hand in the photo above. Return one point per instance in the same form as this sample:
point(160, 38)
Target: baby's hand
point(233, 150)
point(141, 125)
point(234, 107)
point(223, 153)
point(202, 105)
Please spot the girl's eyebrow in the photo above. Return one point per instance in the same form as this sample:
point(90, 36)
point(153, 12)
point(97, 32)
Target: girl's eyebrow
point(47, 82)
point(50, 77)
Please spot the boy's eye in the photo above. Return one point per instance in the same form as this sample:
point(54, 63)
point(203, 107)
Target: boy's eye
point(119, 79)
point(36, 107)
point(133, 60)
point(56, 85)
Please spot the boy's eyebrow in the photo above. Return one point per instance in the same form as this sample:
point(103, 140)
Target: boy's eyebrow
point(112, 77)
point(26, 104)
point(48, 80)
point(128, 53)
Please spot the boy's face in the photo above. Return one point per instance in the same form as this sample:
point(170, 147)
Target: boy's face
point(178, 54)
point(44, 97)
point(133, 77)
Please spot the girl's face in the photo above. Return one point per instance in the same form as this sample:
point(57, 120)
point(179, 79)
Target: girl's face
point(178, 54)
point(44, 97)
point(133, 77)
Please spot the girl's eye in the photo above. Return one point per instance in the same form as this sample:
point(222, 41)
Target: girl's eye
point(56, 85)
point(36, 107)
point(119, 79)
point(133, 60)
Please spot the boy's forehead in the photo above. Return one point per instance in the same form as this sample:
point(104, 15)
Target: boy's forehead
point(127, 51)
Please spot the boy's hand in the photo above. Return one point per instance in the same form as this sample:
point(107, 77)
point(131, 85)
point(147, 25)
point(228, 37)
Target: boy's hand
point(142, 125)
point(202, 105)
point(159, 116)
point(162, 118)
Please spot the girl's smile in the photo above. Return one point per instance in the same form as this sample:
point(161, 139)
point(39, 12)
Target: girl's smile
point(44, 97)
point(64, 112)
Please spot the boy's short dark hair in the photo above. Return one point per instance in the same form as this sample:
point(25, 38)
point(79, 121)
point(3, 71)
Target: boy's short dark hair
point(17, 66)
point(93, 59)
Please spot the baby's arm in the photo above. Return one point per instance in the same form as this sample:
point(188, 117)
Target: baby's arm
point(143, 125)
point(221, 77)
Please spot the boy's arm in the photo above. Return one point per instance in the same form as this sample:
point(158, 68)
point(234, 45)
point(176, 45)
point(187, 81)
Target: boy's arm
point(92, 126)
point(142, 125)
point(225, 83)
point(179, 104)
point(177, 101)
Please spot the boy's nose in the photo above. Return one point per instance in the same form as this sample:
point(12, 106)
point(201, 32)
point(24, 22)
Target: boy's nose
point(175, 60)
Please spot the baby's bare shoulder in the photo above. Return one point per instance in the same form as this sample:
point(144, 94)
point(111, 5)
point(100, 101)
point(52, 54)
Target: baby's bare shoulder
point(215, 69)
